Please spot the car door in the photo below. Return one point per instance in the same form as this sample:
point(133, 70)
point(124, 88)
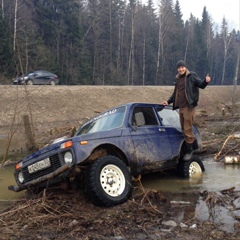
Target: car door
point(38, 77)
point(150, 139)
point(46, 76)
point(170, 122)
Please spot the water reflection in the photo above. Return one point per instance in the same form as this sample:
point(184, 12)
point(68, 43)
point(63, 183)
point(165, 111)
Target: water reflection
point(216, 177)
point(186, 202)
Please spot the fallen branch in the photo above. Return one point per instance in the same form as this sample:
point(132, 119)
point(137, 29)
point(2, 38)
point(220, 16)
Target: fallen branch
point(233, 136)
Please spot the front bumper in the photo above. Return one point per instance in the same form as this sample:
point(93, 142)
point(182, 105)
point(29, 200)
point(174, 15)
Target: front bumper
point(40, 179)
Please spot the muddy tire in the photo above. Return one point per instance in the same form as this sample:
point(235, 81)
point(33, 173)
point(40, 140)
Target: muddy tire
point(190, 168)
point(108, 182)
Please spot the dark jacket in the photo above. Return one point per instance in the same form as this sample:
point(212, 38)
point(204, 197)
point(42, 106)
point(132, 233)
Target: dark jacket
point(193, 83)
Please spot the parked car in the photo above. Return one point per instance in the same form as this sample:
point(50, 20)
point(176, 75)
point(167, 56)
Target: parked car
point(20, 80)
point(110, 149)
point(40, 77)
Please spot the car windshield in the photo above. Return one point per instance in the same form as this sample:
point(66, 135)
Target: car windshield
point(104, 122)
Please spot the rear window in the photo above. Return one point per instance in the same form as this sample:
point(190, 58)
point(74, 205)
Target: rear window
point(169, 117)
point(104, 122)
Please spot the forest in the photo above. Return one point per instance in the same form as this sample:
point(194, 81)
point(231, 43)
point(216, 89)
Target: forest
point(113, 42)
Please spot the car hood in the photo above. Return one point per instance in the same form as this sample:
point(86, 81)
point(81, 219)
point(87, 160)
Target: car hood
point(57, 142)
point(99, 135)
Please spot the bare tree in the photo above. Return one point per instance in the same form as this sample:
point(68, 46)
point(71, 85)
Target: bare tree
point(110, 39)
point(160, 42)
point(165, 21)
point(15, 25)
point(119, 47)
point(226, 44)
point(236, 76)
point(144, 59)
point(3, 8)
point(131, 52)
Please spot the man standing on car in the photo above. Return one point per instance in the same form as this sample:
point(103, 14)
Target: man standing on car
point(185, 97)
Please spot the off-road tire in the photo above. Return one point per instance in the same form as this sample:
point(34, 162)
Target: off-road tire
point(108, 182)
point(187, 169)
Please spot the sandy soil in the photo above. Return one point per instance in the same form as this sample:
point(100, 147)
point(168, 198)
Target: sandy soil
point(67, 214)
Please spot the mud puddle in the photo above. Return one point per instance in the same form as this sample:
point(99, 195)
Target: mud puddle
point(188, 197)
point(203, 198)
point(7, 197)
point(217, 176)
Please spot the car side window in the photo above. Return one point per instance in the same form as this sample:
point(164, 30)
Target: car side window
point(169, 117)
point(143, 116)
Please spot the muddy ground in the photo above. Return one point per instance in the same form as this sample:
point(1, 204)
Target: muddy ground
point(66, 214)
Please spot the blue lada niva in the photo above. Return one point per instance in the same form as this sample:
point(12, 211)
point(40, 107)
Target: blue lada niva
point(109, 150)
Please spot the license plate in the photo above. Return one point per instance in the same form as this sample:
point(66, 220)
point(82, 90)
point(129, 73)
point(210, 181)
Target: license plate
point(39, 165)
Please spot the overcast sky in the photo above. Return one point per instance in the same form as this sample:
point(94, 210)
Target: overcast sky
point(217, 9)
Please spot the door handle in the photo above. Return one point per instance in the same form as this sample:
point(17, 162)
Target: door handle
point(161, 129)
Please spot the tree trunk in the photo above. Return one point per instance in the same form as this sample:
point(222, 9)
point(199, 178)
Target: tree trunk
point(3, 8)
point(119, 50)
point(186, 49)
point(144, 59)
point(224, 67)
point(15, 25)
point(110, 37)
point(94, 62)
point(159, 47)
point(226, 43)
point(235, 84)
point(131, 53)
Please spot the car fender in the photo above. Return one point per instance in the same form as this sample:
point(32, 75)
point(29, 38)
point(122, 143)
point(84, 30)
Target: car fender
point(92, 148)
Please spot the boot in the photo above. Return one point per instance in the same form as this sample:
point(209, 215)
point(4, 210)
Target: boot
point(195, 146)
point(189, 152)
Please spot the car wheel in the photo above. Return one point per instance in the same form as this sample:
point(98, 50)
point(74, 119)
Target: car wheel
point(30, 82)
point(52, 82)
point(108, 181)
point(191, 168)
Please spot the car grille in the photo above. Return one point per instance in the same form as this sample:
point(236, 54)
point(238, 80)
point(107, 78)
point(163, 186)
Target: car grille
point(55, 164)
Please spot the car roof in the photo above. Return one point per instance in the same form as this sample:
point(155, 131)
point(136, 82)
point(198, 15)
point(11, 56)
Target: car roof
point(131, 104)
point(42, 71)
point(143, 104)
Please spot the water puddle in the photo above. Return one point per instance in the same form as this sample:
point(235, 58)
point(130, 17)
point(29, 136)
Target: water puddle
point(186, 201)
point(7, 197)
point(216, 177)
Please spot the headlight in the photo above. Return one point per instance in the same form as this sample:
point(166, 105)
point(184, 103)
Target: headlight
point(20, 177)
point(68, 158)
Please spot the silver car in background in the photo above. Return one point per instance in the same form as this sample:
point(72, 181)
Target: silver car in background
point(40, 77)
